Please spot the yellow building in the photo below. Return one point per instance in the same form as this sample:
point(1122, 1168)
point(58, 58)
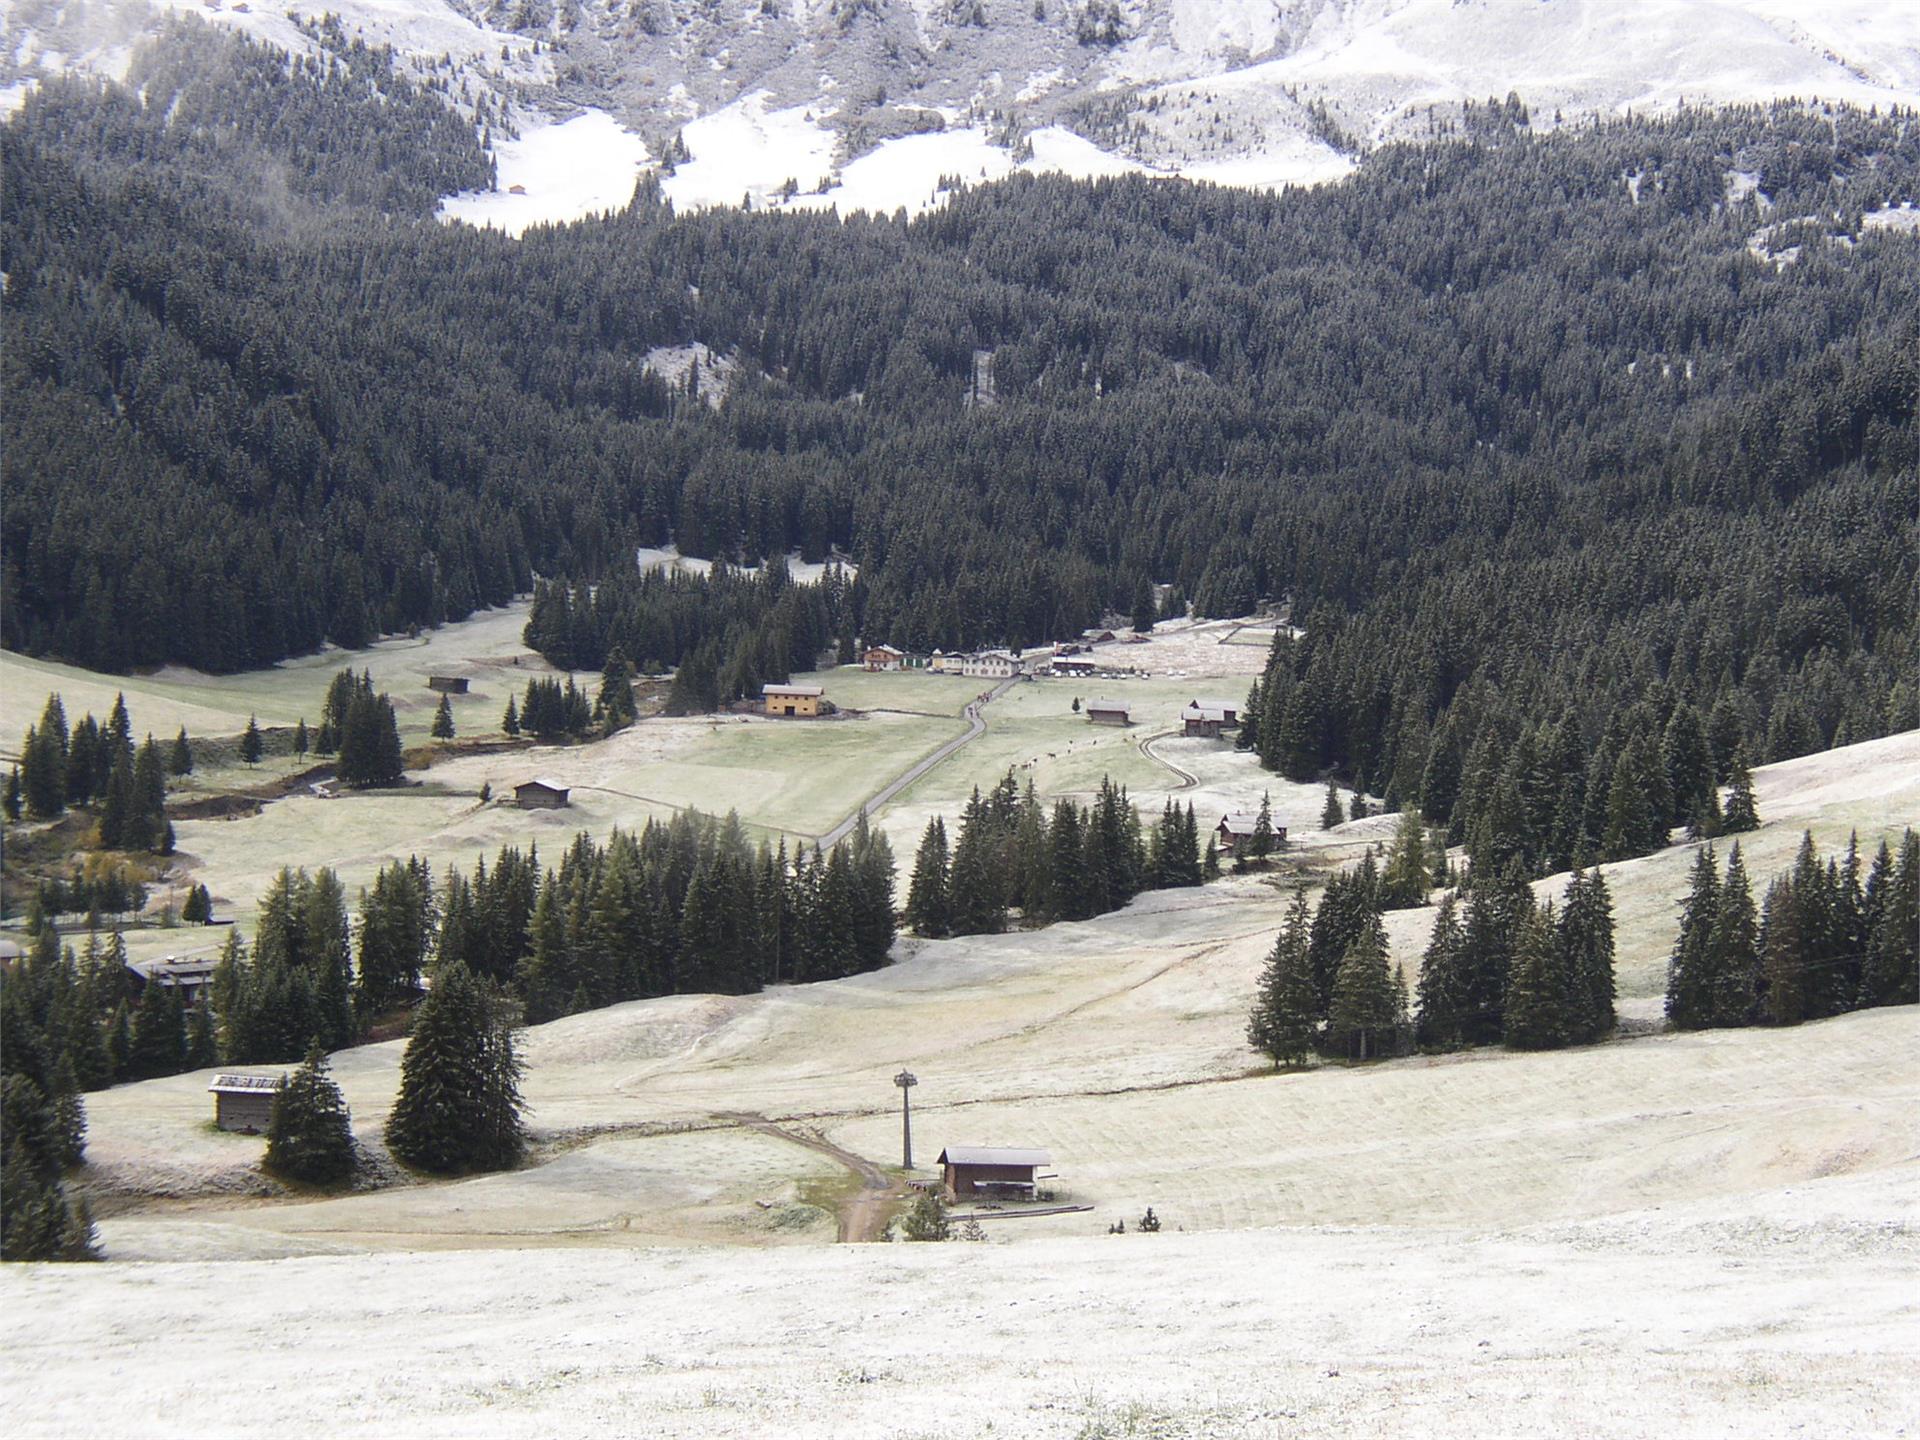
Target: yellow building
point(800, 701)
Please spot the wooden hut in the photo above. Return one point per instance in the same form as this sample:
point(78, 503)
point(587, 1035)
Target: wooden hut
point(541, 795)
point(991, 1170)
point(1109, 712)
point(243, 1102)
point(448, 684)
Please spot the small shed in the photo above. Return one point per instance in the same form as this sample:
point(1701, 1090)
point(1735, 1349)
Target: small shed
point(1109, 712)
point(448, 684)
point(541, 794)
point(243, 1102)
point(991, 1170)
point(884, 657)
point(801, 701)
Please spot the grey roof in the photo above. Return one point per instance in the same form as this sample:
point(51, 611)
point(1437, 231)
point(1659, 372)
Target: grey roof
point(230, 1084)
point(792, 690)
point(1207, 712)
point(1209, 703)
point(993, 1155)
point(544, 783)
point(1110, 705)
point(1241, 823)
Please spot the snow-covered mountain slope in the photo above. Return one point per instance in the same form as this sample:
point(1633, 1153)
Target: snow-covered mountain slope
point(870, 103)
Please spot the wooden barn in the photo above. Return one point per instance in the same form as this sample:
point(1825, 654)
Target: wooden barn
point(799, 701)
point(884, 657)
point(1109, 712)
point(540, 794)
point(1207, 718)
point(992, 1171)
point(191, 978)
point(1236, 829)
point(243, 1102)
point(448, 684)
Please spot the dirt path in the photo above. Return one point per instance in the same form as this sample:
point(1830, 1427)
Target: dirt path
point(1187, 778)
point(865, 1214)
point(976, 727)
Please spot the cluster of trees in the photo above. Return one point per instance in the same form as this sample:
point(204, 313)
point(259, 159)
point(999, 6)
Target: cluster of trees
point(724, 633)
point(1827, 939)
point(1511, 473)
point(360, 727)
point(90, 763)
point(97, 890)
point(1500, 970)
point(1549, 792)
point(1075, 862)
point(44, 1054)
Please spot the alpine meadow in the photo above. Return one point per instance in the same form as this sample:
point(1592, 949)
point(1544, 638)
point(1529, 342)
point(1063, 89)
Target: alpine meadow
point(1170, 718)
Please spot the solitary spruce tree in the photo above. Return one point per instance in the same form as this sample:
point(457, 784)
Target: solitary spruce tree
point(459, 1108)
point(309, 1137)
point(251, 745)
point(1330, 813)
point(443, 720)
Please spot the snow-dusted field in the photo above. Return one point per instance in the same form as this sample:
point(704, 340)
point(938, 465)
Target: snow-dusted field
point(1790, 1314)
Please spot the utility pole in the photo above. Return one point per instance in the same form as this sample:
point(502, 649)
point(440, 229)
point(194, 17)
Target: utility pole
point(906, 1080)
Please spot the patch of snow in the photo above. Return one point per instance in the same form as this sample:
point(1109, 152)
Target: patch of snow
point(1285, 160)
point(1894, 217)
point(1741, 184)
point(562, 172)
point(13, 97)
point(672, 362)
point(804, 572)
point(748, 150)
point(1058, 151)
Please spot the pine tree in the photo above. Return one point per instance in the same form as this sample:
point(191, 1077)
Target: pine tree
point(1442, 991)
point(1286, 1014)
point(251, 744)
point(1404, 881)
point(1261, 841)
point(459, 1108)
point(302, 742)
point(180, 759)
point(1891, 972)
point(309, 1136)
point(1733, 956)
point(510, 722)
point(443, 720)
point(1539, 1012)
point(1364, 1013)
point(1740, 814)
point(1497, 907)
point(1585, 939)
point(1689, 968)
point(928, 910)
point(1330, 813)
point(15, 795)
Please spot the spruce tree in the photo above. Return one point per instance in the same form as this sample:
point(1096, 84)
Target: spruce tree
point(459, 1108)
point(1260, 844)
point(1689, 968)
point(1539, 1012)
point(1286, 1013)
point(302, 742)
point(1330, 813)
point(1404, 881)
point(251, 744)
point(1363, 1016)
point(510, 722)
point(180, 759)
point(928, 911)
point(309, 1136)
point(1891, 972)
point(443, 720)
point(1733, 956)
point(15, 794)
point(1585, 938)
point(1739, 814)
point(1442, 990)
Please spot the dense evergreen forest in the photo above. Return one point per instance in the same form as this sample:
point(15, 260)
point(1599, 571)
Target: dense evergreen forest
point(1526, 428)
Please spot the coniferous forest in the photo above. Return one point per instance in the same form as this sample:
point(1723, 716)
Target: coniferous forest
point(1531, 429)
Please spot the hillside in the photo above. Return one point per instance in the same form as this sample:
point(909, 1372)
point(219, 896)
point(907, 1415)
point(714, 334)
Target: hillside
point(874, 104)
point(1735, 1210)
